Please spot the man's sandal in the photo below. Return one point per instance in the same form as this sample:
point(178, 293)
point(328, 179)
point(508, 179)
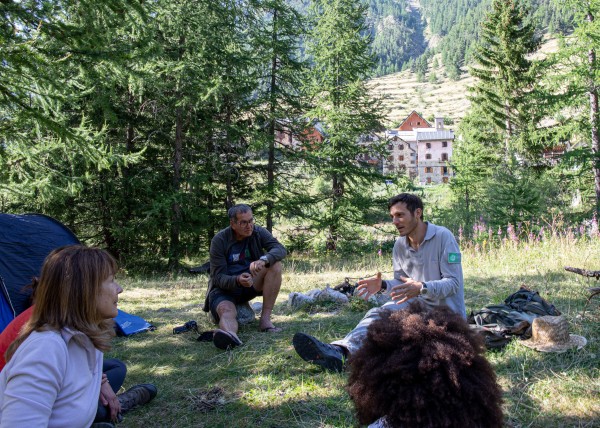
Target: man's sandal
point(225, 340)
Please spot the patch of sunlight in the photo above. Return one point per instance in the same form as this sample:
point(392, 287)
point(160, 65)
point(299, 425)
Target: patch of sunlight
point(567, 395)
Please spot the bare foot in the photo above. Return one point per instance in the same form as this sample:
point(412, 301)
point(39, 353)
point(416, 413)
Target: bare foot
point(268, 327)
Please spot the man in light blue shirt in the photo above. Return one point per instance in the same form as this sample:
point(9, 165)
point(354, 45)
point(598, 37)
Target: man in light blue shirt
point(427, 266)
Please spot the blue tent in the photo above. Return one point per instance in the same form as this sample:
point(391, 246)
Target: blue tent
point(25, 241)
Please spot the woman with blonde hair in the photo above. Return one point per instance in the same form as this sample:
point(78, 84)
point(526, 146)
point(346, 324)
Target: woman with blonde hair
point(53, 374)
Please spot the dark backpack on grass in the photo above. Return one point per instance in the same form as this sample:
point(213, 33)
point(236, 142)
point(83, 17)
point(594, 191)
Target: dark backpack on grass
point(500, 323)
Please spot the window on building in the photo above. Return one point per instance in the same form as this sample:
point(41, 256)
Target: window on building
point(444, 179)
point(445, 170)
point(418, 123)
point(412, 162)
point(444, 157)
point(390, 147)
point(390, 158)
point(401, 158)
point(428, 156)
point(428, 169)
point(428, 180)
point(444, 143)
point(428, 145)
point(401, 146)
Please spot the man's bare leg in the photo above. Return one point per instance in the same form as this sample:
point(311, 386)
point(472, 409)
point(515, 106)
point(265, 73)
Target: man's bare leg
point(270, 285)
point(228, 317)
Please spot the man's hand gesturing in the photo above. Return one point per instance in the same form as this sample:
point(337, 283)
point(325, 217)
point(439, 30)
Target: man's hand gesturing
point(406, 291)
point(369, 286)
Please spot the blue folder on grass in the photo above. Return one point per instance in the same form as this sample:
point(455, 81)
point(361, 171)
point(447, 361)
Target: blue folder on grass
point(128, 324)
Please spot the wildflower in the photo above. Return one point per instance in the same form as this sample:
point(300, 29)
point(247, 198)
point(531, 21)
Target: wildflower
point(510, 231)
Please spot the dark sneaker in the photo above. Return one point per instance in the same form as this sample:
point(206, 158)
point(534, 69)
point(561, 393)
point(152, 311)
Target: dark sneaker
point(330, 357)
point(102, 425)
point(225, 340)
point(136, 396)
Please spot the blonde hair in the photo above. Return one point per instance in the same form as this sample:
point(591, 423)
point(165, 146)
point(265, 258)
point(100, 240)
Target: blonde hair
point(67, 294)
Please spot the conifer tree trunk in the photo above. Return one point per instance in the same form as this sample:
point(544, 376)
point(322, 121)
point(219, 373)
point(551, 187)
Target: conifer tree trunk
point(129, 148)
point(271, 155)
point(176, 184)
point(594, 122)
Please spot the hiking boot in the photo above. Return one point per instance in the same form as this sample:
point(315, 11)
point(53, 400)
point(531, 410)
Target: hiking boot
point(136, 396)
point(329, 357)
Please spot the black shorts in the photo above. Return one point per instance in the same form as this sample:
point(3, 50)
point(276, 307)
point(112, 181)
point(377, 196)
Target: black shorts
point(238, 295)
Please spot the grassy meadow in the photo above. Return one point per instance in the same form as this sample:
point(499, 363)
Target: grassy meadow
point(265, 384)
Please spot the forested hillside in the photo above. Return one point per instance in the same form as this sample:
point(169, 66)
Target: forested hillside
point(404, 30)
point(397, 30)
point(457, 24)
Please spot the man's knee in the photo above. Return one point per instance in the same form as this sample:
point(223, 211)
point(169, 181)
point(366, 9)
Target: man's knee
point(226, 309)
point(275, 269)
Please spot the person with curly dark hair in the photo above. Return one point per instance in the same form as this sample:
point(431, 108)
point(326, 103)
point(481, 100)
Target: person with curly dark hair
point(423, 367)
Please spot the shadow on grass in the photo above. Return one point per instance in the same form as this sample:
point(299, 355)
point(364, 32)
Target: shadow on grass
point(263, 382)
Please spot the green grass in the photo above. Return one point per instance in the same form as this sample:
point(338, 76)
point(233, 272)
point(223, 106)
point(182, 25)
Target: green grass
point(265, 384)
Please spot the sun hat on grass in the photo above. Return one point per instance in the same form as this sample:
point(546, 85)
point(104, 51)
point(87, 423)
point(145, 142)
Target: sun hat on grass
point(551, 334)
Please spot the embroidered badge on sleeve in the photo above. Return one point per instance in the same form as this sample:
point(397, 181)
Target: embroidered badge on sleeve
point(453, 257)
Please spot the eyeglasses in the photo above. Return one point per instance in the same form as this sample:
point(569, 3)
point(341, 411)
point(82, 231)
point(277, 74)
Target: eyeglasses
point(244, 223)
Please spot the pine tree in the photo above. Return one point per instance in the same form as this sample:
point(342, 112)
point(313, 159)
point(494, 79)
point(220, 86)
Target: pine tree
point(573, 79)
point(43, 45)
point(513, 195)
point(280, 100)
point(203, 101)
point(503, 70)
point(339, 52)
point(473, 164)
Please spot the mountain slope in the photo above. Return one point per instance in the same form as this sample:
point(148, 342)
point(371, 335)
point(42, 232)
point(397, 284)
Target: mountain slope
point(403, 93)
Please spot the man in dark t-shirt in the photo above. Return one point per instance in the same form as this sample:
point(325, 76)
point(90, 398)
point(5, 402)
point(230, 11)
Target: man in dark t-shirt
point(240, 270)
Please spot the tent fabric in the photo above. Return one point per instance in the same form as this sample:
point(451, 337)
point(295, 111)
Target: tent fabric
point(25, 241)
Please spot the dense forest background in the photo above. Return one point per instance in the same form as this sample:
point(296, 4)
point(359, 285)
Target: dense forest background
point(138, 124)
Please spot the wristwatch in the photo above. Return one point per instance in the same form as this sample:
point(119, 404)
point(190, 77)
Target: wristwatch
point(264, 259)
point(423, 288)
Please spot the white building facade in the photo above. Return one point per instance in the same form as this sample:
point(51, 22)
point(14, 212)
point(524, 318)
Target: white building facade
point(424, 153)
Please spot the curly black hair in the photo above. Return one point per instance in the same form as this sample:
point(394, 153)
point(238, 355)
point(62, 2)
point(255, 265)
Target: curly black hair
point(422, 367)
